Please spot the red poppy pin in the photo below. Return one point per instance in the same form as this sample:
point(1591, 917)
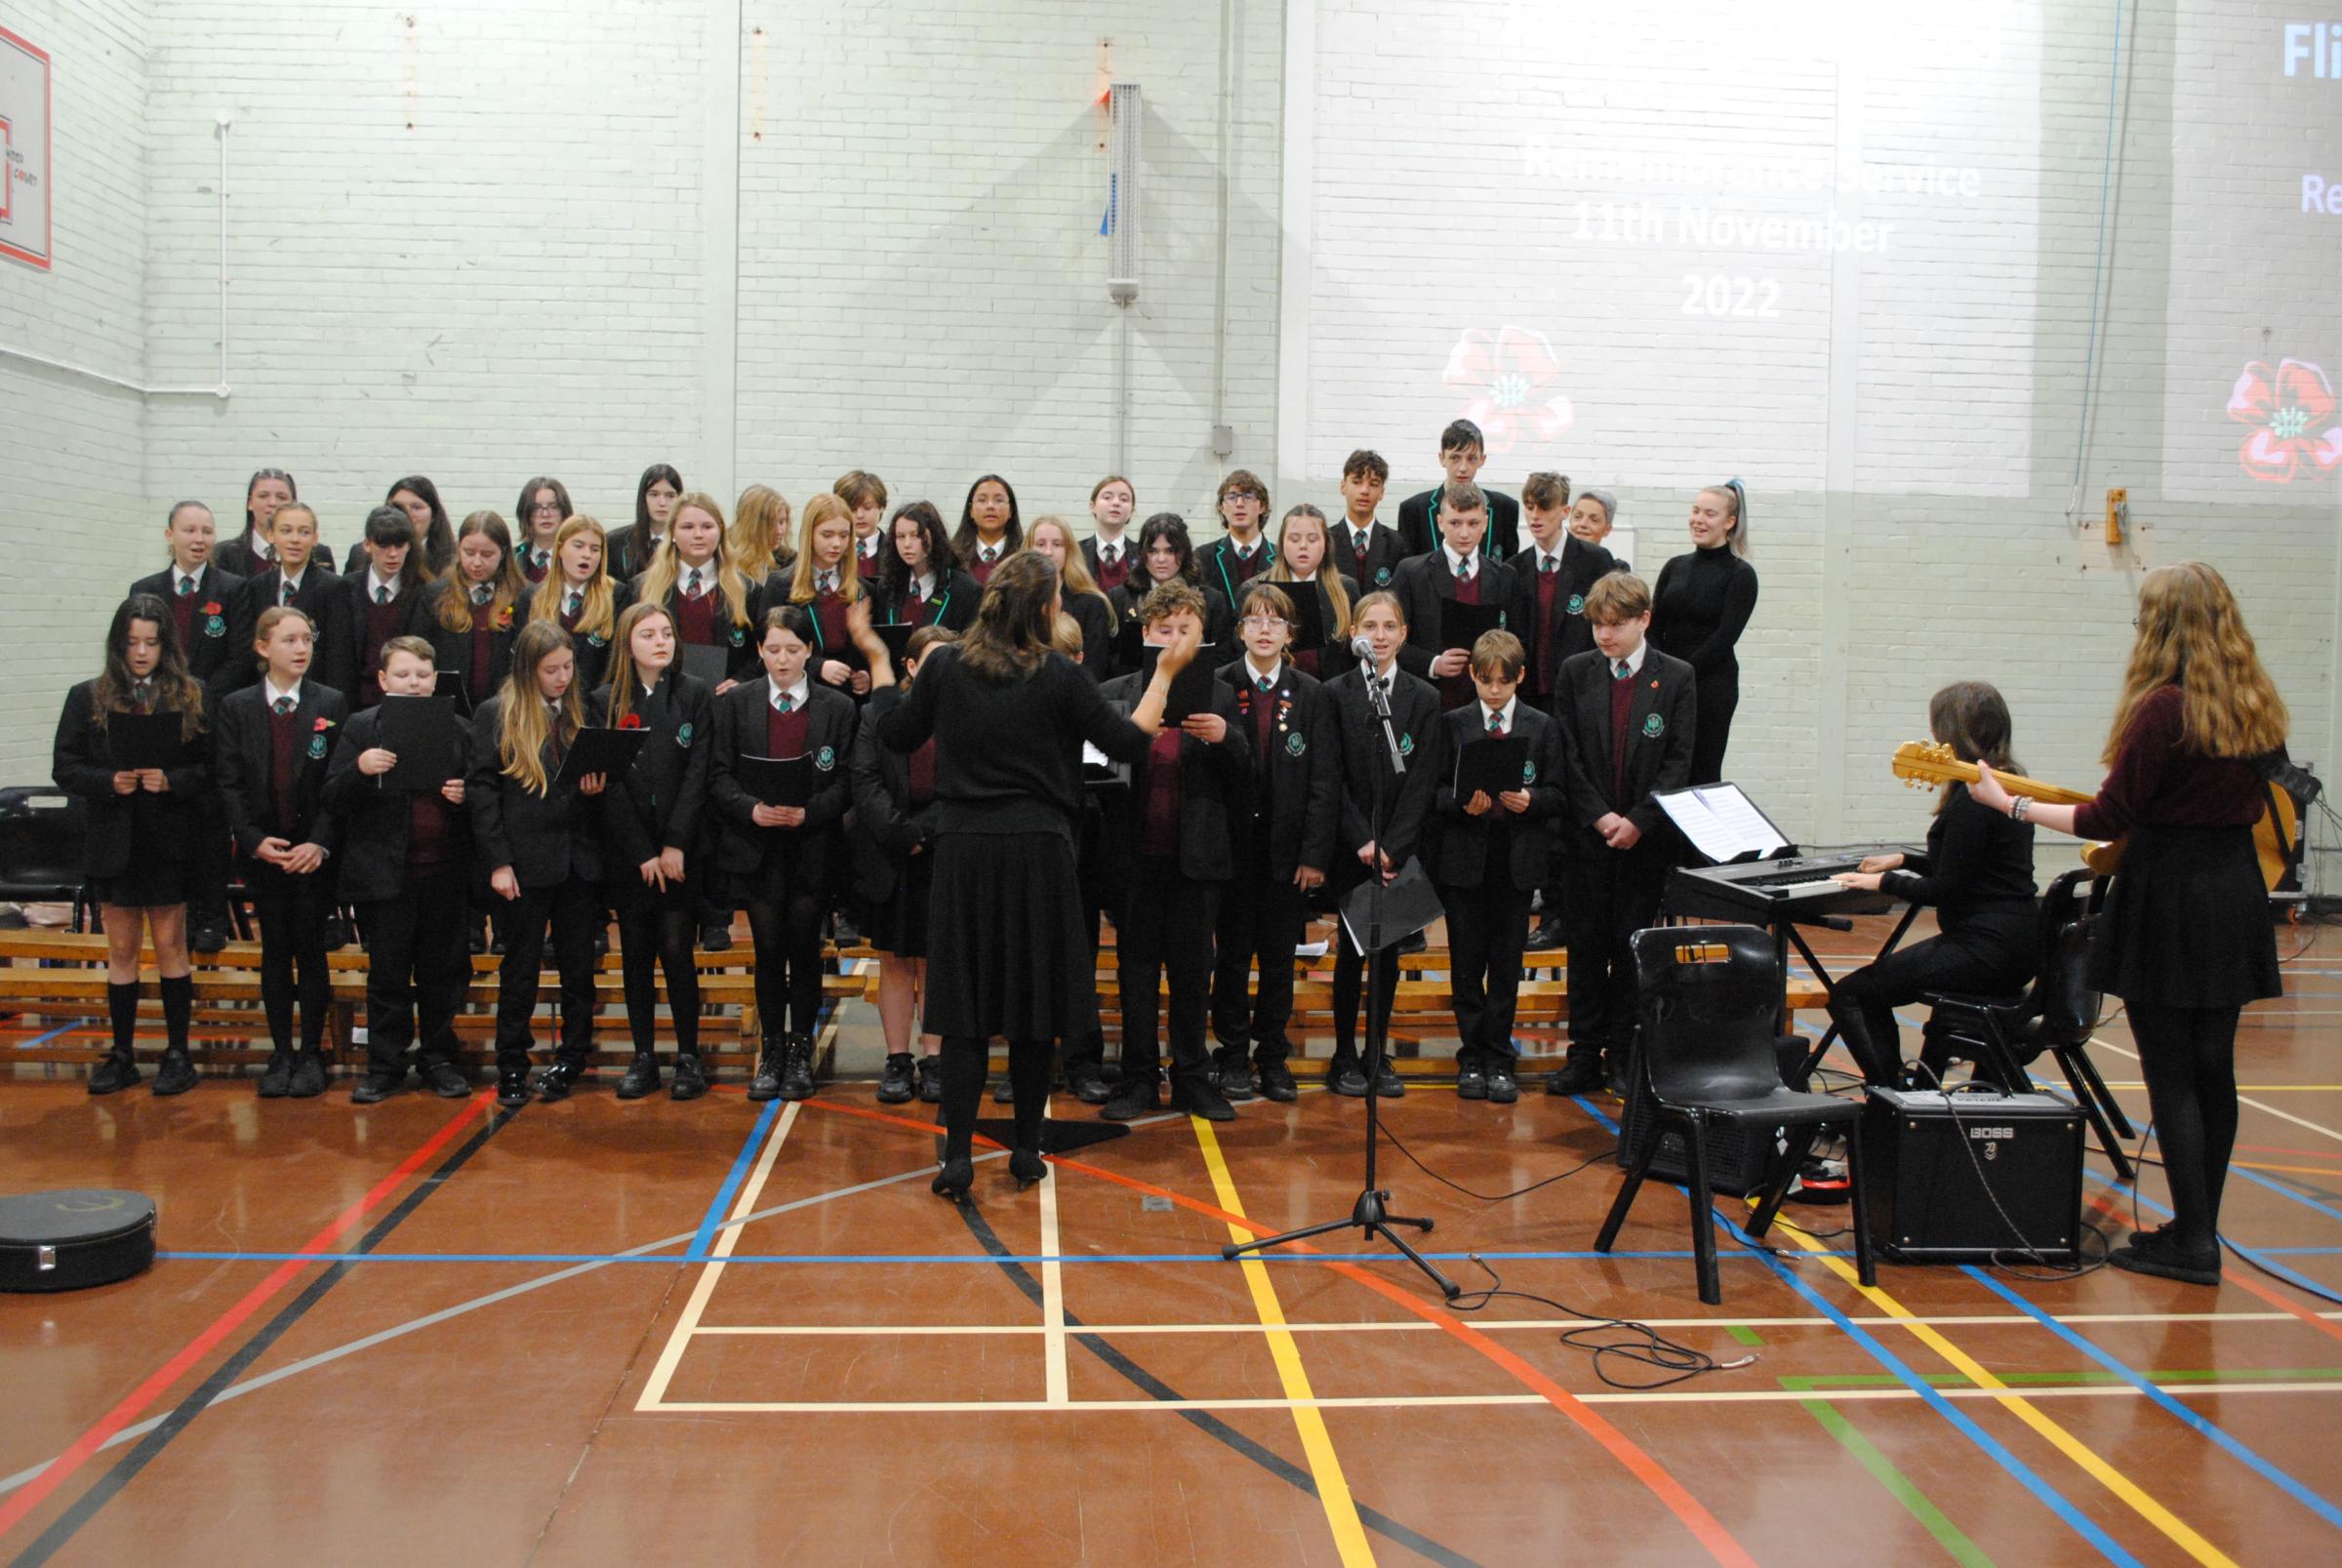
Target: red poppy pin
point(632, 721)
point(210, 607)
point(503, 619)
point(324, 724)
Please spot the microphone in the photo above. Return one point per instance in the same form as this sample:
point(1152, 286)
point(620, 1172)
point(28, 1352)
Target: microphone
point(1362, 648)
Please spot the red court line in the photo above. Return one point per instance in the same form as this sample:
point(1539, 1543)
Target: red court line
point(1705, 1526)
point(61, 1468)
point(2277, 1148)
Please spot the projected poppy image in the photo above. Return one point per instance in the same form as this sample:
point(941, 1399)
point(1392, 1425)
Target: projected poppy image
point(2291, 409)
point(1510, 376)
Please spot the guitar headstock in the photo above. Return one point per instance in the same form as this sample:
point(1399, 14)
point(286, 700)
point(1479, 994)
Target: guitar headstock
point(1925, 764)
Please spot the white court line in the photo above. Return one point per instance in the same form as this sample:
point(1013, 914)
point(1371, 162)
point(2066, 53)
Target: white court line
point(670, 1355)
point(1523, 1325)
point(1053, 1298)
point(1752, 1396)
point(2241, 1099)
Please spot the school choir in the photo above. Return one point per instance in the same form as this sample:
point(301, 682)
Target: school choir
point(846, 710)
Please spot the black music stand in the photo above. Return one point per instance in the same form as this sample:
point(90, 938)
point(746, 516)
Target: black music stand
point(1378, 941)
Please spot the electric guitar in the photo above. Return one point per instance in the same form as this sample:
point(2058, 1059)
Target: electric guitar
point(1930, 763)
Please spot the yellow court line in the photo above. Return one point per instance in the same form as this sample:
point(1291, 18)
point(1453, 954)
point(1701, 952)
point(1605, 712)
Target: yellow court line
point(1316, 1442)
point(654, 1392)
point(2179, 1532)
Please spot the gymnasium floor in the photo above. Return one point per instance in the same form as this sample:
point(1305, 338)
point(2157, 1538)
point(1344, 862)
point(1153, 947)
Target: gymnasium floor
point(594, 1332)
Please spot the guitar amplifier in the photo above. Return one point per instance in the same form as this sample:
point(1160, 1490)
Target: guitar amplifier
point(1958, 1177)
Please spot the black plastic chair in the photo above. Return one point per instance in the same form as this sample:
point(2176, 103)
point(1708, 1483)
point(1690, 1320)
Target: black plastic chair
point(1709, 998)
point(41, 833)
point(2002, 1034)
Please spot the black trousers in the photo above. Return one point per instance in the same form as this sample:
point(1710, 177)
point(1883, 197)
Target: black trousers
point(212, 863)
point(418, 962)
point(293, 911)
point(571, 908)
point(786, 932)
point(1166, 923)
point(1261, 917)
point(1612, 893)
point(1487, 931)
point(652, 936)
point(1863, 1004)
point(2188, 1056)
point(1713, 704)
point(1350, 976)
point(1090, 1049)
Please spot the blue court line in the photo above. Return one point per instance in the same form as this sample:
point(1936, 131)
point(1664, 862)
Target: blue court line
point(808, 1258)
point(2270, 1472)
point(2050, 1496)
point(2254, 1255)
point(62, 1028)
point(714, 1221)
point(2258, 1180)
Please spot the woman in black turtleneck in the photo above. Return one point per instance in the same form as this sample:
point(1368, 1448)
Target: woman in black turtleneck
point(1699, 610)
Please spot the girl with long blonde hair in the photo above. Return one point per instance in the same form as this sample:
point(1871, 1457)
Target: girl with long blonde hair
point(543, 857)
point(2184, 939)
point(763, 535)
point(1304, 550)
point(1079, 599)
point(824, 581)
point(578, 596)
point(474, 611)
point(715, 602)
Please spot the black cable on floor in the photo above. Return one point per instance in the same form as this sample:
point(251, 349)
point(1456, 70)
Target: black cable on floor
point(1641, 1346)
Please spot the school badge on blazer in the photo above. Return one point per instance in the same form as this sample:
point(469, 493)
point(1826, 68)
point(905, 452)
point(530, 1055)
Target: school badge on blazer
point(214, 624)
point(1528, 772)
point(1577, 604)
point(740, 636)
point(317, 738)
point(1296, 744)
point(824, 759)
point(1406, 746)
point(1654, 725)
point(1381, 577)
point(683, 736)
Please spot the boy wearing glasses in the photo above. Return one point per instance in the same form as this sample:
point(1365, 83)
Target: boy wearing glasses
point(1245, 552)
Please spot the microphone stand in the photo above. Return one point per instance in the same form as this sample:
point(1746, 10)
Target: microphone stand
point(1369, 1213)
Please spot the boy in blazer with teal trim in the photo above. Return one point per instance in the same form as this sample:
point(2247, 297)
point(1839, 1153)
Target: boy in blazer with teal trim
point(1629, 712)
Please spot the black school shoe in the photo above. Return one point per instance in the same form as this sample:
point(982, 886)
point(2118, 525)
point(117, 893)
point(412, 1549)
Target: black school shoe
point(717, 938)
point(1134, 1097)
point(796, 1068)
point(375, 1087)
point(642, 1076)
point(446, 1080)
point(1546, 937)
point(114, 1074)
point(1581, 1075)
point(1388, 1084)
point(559, 1080)
point(176, 1074)
point(765, 1083)
point(1084, 1078)
point(1345, 1075)
point(511, 1084)
point(2159, 1253)
point(1200, 1096)
point(1502, 1088)
point(691, 1077)
point(1471, 1077)
point(931, 1083)
point(894, 1079)
point(1276, 1083)
point(1231, 1074)
point(277, 1076)
point(308, 1076)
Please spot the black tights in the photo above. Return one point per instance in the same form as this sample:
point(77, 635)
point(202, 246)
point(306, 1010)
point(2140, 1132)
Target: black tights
point(787, 933)
point(966, 1060)
point(650, 939)
point(2188, 1056)
point(1350, 966)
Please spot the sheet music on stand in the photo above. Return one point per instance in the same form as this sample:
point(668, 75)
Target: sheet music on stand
point(1722, 823)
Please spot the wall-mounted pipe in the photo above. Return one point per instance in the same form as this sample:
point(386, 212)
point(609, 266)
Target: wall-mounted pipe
point(220, 388)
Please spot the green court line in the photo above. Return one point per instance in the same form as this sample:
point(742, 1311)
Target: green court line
point(1953, 1379)
point(1898, 1486)
point(1744, 1334)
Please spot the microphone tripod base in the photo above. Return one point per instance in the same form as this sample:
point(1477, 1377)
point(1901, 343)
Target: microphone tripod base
point(1367, 1214)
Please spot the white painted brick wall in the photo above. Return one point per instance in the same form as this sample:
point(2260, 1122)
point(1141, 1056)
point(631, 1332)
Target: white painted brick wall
point(73, 508)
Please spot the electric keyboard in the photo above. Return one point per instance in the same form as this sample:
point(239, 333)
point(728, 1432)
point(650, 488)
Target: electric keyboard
point(1770, 891)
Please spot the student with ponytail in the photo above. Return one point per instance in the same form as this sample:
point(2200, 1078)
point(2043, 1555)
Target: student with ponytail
point(137, 851)
point(544, 856)
point(1699, 609)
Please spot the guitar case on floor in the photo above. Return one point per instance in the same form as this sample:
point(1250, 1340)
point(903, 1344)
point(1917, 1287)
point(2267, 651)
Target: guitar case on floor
point(73, 1240)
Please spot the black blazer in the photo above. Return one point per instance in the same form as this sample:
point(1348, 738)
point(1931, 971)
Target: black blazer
point(453, 649)
point(953, 607)
point(885, 831)
point(832, 719)
point(740, 664)
point(1418, 524)
point(374, 821)
point(546, 839)
point(241, 758)
point(1335, 658)
point(629, 552)
point(1456, 848)
point(78, 763)
point(1581, 566)
point(1291, 804)
point(326, 602)
point(657, 804)
point(1382, 555)
point(208, 649)
point(1218, 621)
point(411, 605)
point(241, 557)
point(1097, 623)
point(593, 648)
point(1424, 583)
point(1358, 736)
point(1660, 727)
point(1210, 777)
point(1217, 561)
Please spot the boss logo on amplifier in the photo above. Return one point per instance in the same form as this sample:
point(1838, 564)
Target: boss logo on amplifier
point(1991, 1134)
